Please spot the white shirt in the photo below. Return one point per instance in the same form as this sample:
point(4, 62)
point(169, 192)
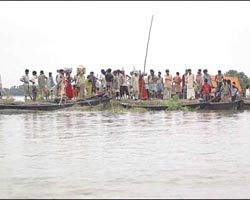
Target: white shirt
point(247, 93)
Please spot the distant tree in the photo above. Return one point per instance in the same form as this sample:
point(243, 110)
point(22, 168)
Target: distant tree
point(243, 78)
point(16, 90)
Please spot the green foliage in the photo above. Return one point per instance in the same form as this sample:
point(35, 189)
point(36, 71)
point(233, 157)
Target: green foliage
point(173, 104)
point(243, 78)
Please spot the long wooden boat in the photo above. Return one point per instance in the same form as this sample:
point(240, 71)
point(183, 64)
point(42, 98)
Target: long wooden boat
point(36, 106)
point(145, 106)
point(236, 105)
point(246, 103)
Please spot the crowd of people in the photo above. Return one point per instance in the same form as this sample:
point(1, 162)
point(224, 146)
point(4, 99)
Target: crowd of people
point(135, 85)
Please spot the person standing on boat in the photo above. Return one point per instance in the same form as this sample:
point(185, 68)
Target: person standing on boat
point(247, 92)
point(34, 85)
point(152, 80)
point(68, 86)
point(206, 76)
point(167, 85)
point(234, 90)
point(190, 85)
point(103, 81)
point(219, 79)
point(205, 91)
point(184, 84)
point(143, 93)
point(93, 82)
point(116, 84)
point(177, 83)
point(109, 82)
point(198, 84)
point(124, 94)
point(42, 80)
point(159, 86)
point(51, 85)
point(135, 85)
point(25, 79)
point(80, 81)
point(225, 91)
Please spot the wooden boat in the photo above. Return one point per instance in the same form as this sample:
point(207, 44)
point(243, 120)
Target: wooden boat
point(236, 105)
point(145, 106)
point(35, 106)
point(246, 103)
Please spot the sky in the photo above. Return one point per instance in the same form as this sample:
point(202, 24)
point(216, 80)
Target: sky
point(49, 35)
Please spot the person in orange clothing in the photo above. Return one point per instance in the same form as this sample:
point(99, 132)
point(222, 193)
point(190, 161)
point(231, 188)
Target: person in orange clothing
point(75, 92)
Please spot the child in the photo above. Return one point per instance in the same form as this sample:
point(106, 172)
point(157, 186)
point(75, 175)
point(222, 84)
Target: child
point(205, 90)
point(75, 92)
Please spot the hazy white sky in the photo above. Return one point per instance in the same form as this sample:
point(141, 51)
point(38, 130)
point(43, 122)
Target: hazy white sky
point(52, 35)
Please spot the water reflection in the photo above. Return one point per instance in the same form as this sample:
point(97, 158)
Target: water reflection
point(124, 155)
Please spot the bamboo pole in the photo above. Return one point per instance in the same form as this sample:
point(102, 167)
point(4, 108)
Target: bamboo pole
point(148, 44)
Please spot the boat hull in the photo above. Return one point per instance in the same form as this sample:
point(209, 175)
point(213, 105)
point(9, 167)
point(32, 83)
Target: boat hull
point(45, 107)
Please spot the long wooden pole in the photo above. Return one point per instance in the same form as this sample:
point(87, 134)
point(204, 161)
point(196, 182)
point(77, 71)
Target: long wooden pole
point(148, 44)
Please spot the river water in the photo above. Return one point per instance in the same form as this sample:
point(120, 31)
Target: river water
point(76, 154)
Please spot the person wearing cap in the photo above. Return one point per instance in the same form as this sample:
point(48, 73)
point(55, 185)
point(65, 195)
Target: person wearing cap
point(25, 79)
point(190, 85)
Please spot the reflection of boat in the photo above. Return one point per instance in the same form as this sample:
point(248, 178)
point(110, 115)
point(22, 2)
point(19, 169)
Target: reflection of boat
point(246, 103)
point(35, 106)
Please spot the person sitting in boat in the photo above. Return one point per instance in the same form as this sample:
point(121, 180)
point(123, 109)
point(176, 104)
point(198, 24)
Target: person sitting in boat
point(247, 92)
point(205, 90)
